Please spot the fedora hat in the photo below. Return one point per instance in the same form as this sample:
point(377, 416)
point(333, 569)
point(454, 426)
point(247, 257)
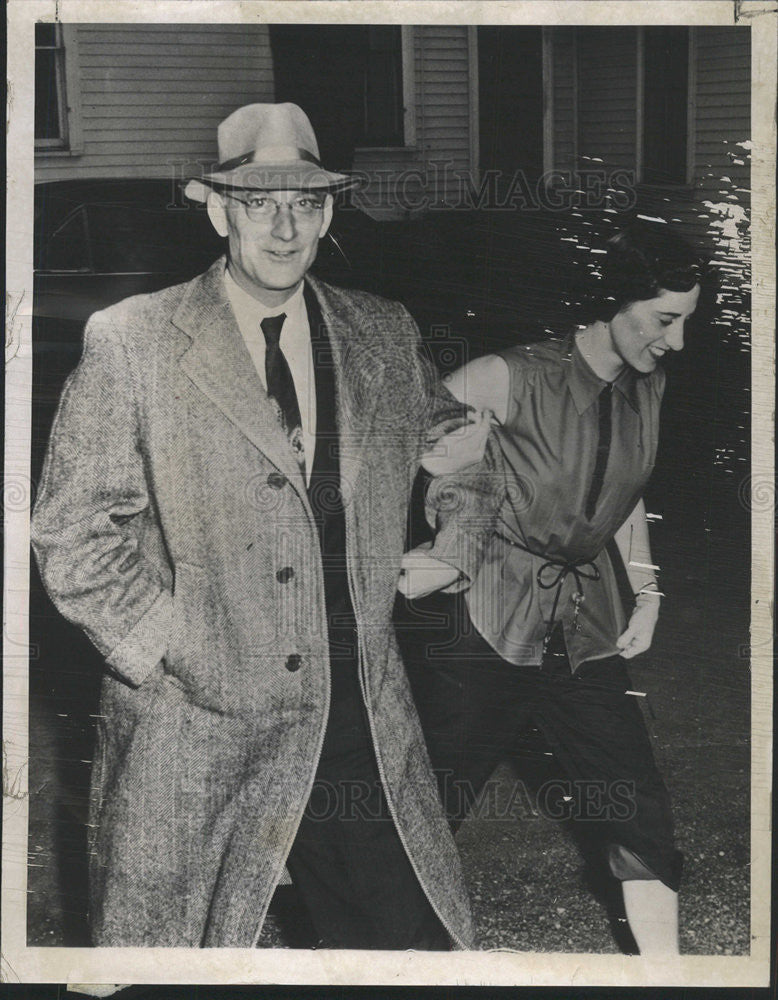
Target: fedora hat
point(267, 147)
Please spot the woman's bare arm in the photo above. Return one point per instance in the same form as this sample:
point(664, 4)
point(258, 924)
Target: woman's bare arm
point(483, 384)
point(633, 545)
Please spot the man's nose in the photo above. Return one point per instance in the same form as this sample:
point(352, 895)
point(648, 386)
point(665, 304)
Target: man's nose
point(283, 223)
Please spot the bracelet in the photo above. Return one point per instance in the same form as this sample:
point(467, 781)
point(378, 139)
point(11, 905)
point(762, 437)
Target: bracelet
point(649, 593)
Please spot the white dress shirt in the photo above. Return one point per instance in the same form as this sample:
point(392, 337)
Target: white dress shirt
point(295, 342)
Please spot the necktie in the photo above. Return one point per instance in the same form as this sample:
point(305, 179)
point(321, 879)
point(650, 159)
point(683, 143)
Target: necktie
point(280, 384)
point(604, 403)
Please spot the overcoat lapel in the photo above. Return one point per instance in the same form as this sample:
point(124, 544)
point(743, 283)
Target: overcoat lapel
point(351, 425)
point(219, 364)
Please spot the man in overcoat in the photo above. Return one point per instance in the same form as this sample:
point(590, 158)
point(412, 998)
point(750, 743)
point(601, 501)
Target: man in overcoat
point(223, 511)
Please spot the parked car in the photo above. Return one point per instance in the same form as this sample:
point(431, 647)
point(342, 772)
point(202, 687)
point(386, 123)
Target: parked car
point(98, 241)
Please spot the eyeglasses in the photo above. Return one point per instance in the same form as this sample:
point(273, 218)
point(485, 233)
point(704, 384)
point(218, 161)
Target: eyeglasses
point(261, 207)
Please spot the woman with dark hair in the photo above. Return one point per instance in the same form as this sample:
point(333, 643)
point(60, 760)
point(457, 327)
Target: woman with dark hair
point(540, 637)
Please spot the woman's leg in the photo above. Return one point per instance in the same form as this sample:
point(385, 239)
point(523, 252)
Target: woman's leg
point(598, 735)
point(652, 912)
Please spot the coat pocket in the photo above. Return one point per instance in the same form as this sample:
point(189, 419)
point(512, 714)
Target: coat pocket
point(189, 634)
point(189, 586)
point(194, 663)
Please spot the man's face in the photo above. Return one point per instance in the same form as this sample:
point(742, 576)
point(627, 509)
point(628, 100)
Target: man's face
point(272, 237)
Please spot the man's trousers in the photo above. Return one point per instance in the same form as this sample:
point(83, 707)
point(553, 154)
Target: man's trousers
point(348, 863)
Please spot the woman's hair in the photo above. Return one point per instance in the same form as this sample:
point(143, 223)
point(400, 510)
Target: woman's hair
point(641, 260)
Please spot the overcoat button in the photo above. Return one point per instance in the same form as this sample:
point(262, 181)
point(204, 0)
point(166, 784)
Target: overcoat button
point(293, 662)
point(285, 574)
point(276, 480)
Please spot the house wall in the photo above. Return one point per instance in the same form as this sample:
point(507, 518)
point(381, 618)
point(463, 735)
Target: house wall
point(151, 96)
point(564, 103)
point(405, 179)
point(714, 207)
point(722, 98)
point(595, 125)
point(606, 86)
point(148, 99)
point(595, 105)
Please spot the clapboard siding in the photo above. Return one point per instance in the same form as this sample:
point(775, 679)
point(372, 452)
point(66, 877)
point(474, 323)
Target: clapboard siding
point(442, 94)
point(119, 75)
point(734, 94)
point(720, 185)
point(157, 93)
point(161, 132)
point(723, 108)
point(203, 29)
point(130, 61)
point(603, 124)
point(154, 94)
point(595, 118)
point(441, 82)
point(607, 82)
point(242, 55)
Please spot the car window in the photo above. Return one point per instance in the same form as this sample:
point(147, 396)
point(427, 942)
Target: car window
point(67, 249)
point(127, 239)
point(141, 234)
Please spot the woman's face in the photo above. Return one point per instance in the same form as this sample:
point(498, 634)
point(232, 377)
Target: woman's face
point(644, 331)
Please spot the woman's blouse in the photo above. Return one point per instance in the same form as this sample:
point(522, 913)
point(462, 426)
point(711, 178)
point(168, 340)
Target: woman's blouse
point(546, 553)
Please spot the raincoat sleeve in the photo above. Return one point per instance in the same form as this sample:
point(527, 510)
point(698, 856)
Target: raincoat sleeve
point(92, 509)
point(461, 506)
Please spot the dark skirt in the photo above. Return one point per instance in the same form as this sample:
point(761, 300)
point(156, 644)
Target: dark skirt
point(476, 707)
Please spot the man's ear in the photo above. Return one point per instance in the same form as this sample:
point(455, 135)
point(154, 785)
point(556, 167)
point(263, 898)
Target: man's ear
point(325, 222)
point(217, 213)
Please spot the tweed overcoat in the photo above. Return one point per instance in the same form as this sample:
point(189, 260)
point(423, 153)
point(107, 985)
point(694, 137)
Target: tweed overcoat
point(169, 504)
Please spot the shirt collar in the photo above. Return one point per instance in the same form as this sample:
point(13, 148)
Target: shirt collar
point(585, 385)
point(627, 384)
point(250, 311)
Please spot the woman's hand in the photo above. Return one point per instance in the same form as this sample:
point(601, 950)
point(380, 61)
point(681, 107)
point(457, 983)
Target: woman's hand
point(639, 632)
point(422, 575)
point(460, 447)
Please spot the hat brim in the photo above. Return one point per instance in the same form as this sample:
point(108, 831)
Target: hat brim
point(270, 177)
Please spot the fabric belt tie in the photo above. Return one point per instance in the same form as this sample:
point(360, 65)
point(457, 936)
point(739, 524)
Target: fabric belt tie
point(581, 569)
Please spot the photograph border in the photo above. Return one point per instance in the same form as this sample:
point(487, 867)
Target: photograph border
point(284, 966)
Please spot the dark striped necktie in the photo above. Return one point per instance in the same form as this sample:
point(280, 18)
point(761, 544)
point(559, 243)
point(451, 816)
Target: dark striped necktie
point(604, 404)
point(280, 384)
